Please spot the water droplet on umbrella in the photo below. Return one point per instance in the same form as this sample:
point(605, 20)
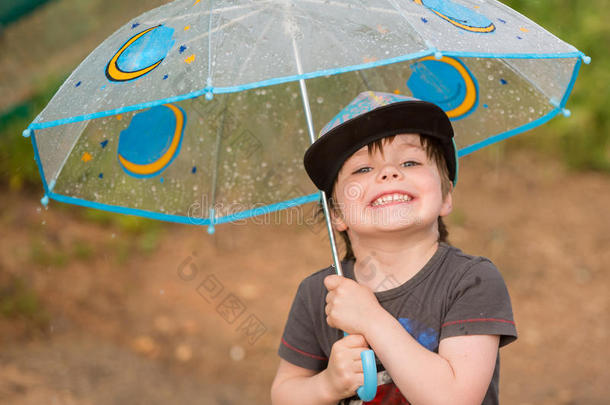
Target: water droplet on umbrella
point(320, 100)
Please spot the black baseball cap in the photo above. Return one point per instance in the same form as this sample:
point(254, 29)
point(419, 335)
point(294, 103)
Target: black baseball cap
point(369, 117)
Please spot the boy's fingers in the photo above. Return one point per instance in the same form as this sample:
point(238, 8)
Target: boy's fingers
point(329, 296)
point(358, 367)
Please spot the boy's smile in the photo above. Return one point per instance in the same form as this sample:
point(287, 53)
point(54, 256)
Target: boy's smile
point(396, 190)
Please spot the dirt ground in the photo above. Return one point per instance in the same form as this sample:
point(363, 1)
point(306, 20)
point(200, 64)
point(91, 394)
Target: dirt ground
point(123, 324)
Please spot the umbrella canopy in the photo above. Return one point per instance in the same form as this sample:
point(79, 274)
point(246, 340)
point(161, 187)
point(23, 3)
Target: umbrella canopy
point(129, 131)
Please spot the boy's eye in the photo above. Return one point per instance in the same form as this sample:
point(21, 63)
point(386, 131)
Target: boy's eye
point(408, 163)
point(362, 170)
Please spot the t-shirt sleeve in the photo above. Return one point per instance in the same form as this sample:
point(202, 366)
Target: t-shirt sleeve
point(479, 304)
point(299, 344)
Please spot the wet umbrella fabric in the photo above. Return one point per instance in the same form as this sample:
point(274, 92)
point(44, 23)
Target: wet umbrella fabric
point(128, 132)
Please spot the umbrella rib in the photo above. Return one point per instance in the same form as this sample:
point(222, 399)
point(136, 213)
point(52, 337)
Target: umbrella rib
point(359, 71)
point(76, 138)
point(403, 15)
point(307, 107)
point(245, 63)
point(205, 12)
point(232, 22)
point(219, 133)
point(506, 62)
point(209, 79)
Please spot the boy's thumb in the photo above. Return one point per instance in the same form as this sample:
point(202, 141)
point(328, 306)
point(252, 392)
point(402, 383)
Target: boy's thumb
point(332, 281)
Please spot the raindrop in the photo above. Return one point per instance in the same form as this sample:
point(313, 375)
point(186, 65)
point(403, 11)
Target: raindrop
point(38, 210)
point(490, 77)
point(264, 164)
point(320, 100)
point(153, 188)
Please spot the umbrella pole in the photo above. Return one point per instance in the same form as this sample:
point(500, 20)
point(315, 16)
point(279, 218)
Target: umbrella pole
point(329, 227)
point(368, 391)
point(312, 138)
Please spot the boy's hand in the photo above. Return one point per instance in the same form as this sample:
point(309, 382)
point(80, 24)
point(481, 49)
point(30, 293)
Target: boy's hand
point(344, 372)
point(350, 306)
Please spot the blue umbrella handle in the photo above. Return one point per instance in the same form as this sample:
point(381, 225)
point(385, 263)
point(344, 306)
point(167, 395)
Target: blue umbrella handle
point(368, 391)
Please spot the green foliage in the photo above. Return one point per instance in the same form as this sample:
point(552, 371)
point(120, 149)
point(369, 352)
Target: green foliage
point(582, 140)
point(17, 300)
point(47, 256)
point(17, 165)
point(12, 10)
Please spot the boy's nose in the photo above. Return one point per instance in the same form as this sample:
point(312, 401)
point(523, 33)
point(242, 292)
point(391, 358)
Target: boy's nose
point(390, 171)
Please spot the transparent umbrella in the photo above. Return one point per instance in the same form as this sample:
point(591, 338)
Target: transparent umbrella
point(199, 112)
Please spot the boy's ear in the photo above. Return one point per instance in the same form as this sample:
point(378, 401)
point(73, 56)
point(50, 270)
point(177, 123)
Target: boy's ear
point(447, 206)
point(338, 224)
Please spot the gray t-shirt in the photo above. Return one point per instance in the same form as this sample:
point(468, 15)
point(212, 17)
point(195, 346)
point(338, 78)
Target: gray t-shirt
point(453, 294)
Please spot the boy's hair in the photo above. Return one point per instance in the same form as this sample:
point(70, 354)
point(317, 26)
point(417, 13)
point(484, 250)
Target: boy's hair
point(434, 152)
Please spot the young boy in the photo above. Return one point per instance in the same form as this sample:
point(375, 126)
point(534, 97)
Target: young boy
point(434, 316)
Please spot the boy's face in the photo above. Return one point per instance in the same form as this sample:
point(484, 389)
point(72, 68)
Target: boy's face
point(398, 190)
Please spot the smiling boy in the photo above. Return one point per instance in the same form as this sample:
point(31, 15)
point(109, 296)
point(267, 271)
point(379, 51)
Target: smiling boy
point(434, 316)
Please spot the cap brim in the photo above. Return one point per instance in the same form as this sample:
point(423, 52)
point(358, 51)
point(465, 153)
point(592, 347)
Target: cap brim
point(324, 158)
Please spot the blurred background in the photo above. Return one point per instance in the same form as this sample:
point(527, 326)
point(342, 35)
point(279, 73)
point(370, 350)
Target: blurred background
point(101, 308)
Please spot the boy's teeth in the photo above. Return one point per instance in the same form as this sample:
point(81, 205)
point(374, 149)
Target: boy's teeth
point(391, 197)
